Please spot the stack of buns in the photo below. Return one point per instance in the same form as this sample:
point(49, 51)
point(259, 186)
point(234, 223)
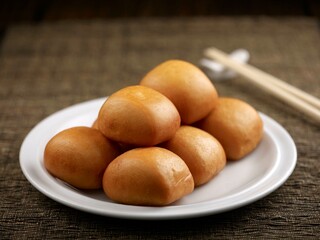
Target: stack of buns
point(153, 143)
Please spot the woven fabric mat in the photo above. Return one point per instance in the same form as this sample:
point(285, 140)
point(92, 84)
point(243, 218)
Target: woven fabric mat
point(49, 66)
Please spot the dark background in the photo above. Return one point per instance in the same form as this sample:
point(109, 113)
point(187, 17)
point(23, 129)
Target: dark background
point(35, 11)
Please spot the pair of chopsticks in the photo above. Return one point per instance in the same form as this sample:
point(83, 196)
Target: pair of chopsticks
point(296, 98)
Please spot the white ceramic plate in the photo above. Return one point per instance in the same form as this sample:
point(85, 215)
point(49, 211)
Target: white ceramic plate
point(240, 183)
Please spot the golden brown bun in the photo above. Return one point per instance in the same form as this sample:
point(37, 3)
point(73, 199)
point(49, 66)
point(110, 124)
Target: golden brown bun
point(236, 125)
point(79, 156)
point(202, 153)
point(186, 86)
point(147, 176)
point(121, 146)
point(138, 115)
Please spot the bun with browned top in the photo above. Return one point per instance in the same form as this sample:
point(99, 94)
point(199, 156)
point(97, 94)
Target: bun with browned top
point(202, 153)
point(139, 116)
point(186, 86)
point(79, 156)
point(236, 125)
point(147, 176)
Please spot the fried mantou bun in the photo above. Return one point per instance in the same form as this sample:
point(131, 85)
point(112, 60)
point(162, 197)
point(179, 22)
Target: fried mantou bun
point(236, 125)
point(138, 115)
point(150, 176)
point(202, 153)
point(79, 156)
point(186, 86)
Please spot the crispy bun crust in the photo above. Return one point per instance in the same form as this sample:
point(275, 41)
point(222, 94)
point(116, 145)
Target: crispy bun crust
point(202, 153)
point(147, 176)
point(236, 125)
point(139, 116)
point(79, 156)
point(186, 86)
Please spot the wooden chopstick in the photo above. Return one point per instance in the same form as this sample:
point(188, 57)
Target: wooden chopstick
point(298, 99)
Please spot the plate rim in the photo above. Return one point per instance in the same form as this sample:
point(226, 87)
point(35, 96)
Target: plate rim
point(166, 211)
